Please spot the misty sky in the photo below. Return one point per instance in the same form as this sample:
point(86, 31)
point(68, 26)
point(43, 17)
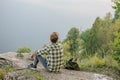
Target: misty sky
point(30, 22)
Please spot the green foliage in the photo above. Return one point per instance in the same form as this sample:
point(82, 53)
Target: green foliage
point(117, 8)
point(35, 74)
point(99, 46)
point(106, 65)
point(93, 36)
point(110, 62)
point(22, 50)
point(97, 39)
point(95, 62)
point(92, 62)
point(116, 54)
point(115, 42)
point(104, 34)
point(66, 52)
point(4, 71)
point(8, 69)
point(85, 43)
point(73, 40)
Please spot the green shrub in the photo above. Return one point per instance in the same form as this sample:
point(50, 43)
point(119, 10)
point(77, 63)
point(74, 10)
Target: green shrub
point(93, 62)
point(24, 50)
point(66, 51)
point(110, 62)
point(116, 56)
point(116, 44)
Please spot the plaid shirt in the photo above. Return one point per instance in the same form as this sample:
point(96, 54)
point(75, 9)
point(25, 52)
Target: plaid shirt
point(54, 56)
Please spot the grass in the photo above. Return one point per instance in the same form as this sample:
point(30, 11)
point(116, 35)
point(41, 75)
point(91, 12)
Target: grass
point(107, 66)
point(4, 71)
point(33, 74)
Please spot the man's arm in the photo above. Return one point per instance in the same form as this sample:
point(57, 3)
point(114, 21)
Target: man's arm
point(45, 50)
point(39, 52)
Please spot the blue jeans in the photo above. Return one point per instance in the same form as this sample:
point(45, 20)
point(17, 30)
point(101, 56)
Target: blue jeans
point(42, 60)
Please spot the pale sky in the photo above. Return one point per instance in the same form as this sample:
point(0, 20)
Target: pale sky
point(30, 22)
point(73, 7)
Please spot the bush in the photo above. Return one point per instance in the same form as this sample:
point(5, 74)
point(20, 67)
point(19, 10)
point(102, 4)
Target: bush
point(24, 50)
point(116, 56)
point(66, 52)
point(110, 62)
point(96, 62)
point(92, 62)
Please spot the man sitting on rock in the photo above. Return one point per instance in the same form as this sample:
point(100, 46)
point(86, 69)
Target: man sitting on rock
point(54, 55)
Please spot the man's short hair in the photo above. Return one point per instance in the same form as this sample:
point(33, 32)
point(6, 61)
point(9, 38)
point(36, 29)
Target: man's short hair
point(54, 37)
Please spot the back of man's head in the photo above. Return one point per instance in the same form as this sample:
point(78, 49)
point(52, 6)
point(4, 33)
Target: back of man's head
point(54, 37)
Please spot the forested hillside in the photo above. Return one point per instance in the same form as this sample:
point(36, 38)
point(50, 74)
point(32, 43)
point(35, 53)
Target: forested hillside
point(98, 48)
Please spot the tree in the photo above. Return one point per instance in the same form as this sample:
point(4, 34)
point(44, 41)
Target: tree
point(104, 33)
point(85, 43)
point(117, 8)
point(66, 47)
point(96, 39)
point(90, 38)
point(116, 53)
point(116, 41)
point(93, 39)
point(73, 39)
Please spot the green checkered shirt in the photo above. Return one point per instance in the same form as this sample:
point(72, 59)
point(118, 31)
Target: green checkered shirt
point(54, 56)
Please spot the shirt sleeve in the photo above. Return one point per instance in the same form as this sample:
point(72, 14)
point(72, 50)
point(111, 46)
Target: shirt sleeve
point(45, 50)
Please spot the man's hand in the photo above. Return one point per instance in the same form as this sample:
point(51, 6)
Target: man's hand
point(32, 57)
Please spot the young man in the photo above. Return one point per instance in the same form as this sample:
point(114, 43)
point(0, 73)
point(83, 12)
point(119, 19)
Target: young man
point(54, 55)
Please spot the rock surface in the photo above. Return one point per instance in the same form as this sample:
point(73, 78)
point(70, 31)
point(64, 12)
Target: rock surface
point(21, 64)
point(18, 75)
point(4, 63)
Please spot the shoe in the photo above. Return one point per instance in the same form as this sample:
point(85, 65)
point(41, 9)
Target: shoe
point(31, 67)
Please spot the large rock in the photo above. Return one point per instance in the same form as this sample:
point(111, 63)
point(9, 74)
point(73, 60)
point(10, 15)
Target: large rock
point(4, 63)
point(64, 75)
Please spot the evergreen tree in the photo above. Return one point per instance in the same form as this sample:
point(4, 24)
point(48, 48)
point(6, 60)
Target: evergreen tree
point(117, 8)
point(73, 39)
